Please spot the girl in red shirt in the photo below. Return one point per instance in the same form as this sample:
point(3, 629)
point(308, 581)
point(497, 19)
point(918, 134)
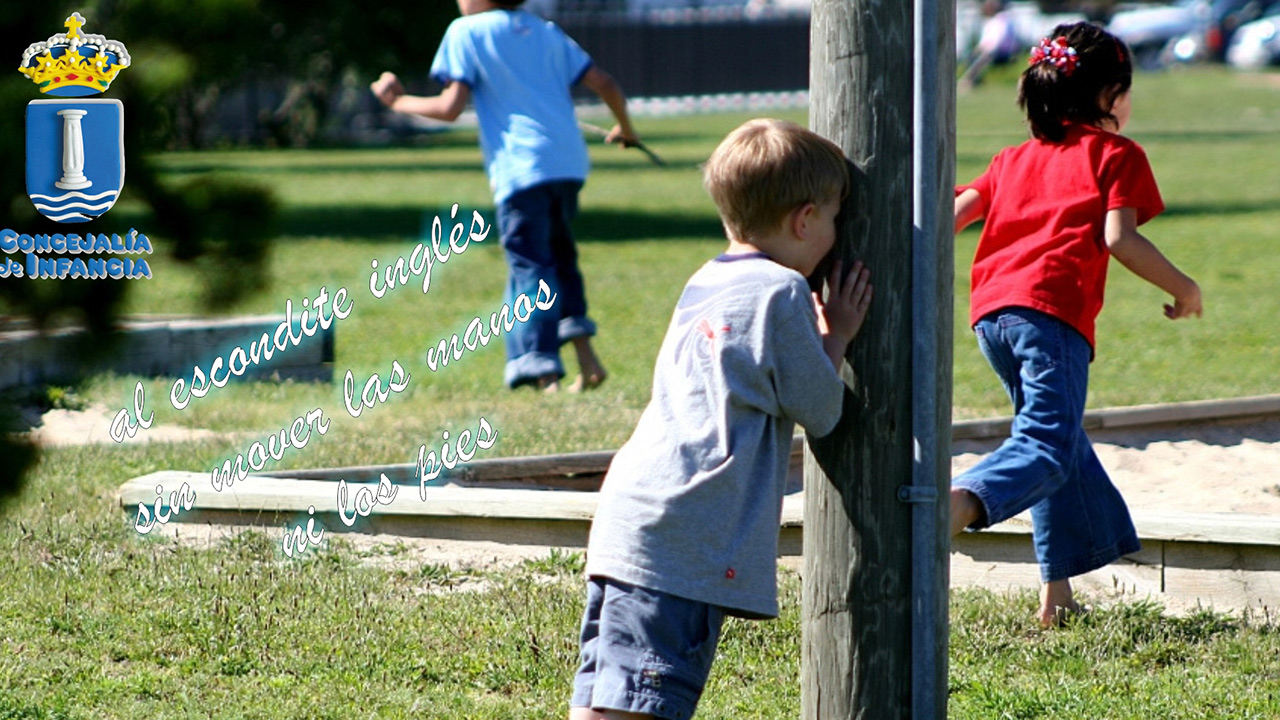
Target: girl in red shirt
point(1056, 208)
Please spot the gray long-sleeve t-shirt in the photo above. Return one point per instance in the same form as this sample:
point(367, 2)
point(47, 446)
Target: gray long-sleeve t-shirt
point(692, 502)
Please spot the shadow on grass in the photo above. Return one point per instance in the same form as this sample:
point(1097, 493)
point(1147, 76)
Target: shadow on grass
point(973, 158)
point(1193, 136)
point(615, 226)
point(412, 222)
point(355, 223)
point(416, 155)
point(422, 163)
point(630, 160)
point(1238, 207)
point(605, 225)
point(363, 223)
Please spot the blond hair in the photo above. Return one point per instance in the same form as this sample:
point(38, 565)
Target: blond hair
point(766, 168)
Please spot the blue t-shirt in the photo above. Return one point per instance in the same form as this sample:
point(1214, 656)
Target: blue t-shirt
point(519, 68)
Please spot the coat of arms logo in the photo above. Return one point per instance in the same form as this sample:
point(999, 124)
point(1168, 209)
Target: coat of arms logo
point(75, 148)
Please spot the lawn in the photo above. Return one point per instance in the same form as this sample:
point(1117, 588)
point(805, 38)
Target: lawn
point(644, 229)
point(96, 621)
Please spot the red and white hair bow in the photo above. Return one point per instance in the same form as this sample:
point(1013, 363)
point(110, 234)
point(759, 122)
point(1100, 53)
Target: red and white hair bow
point(1057, 52)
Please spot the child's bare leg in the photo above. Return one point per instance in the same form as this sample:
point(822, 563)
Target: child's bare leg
point(582, 713)
point(965, 510)
point(593, 373)
point(1056, 603)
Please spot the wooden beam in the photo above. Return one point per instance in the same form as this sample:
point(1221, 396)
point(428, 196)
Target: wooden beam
point(1180, 413)
point(1224, 560)
point(585, 470)
point(161, 347)
point(856, 642)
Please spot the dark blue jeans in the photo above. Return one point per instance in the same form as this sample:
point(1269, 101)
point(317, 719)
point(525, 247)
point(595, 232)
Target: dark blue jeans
point(536, 235)
point(1080, 521)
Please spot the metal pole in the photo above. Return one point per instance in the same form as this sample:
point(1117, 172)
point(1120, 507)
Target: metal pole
point(929, 383)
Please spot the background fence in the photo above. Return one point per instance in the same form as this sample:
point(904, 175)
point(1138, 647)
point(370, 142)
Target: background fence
point(653, 51)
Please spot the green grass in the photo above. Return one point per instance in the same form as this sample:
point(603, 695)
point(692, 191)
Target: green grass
point(96, 621)
point(1127, 662)
point(643, 230)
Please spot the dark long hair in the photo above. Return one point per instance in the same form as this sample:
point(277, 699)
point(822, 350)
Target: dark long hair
point(1054, 94)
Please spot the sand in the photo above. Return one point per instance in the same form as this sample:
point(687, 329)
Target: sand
point(1217, 467)
point(1203, 468)
point(92, 426)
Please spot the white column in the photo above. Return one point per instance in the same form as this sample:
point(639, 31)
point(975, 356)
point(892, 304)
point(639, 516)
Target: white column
point(72, 151)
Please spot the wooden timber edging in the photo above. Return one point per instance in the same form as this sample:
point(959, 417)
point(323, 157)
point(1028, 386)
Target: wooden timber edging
point(567, 471)
point(1221, 560)
point(168, 346)
point(1218, 559)
point(1196, 411)
point(585, 470)
point(1225, 560)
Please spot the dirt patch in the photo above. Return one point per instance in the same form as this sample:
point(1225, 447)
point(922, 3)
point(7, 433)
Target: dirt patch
point(92, 426)
point(391, 552)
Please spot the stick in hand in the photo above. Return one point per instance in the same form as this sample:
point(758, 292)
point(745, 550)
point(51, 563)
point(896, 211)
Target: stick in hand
point(601, 132)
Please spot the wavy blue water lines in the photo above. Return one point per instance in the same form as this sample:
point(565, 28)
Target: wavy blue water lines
point(68, 206)
point(74, 194)
point(72, 206)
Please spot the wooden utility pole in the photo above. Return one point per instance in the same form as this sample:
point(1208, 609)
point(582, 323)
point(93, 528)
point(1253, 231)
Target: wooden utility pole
point(889, 458)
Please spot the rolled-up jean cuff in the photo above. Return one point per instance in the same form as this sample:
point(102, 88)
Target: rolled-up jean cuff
point(529, 367)
point(575, 327)
point(979, 490)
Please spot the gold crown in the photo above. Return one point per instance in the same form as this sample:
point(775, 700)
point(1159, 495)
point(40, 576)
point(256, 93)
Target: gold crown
point(74, 64)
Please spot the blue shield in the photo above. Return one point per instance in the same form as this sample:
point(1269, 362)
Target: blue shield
point(75, 157)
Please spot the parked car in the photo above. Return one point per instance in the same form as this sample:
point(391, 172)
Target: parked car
point(1150, 30)
point(1219, 21)
point(1226, 17)
point(1185, 31)
point(1256, 45)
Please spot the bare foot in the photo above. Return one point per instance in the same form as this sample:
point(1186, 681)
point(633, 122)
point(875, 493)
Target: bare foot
point(549, 383)
point(582, 383)
point(1057, 604)
point(592, 372)
point(966, 509)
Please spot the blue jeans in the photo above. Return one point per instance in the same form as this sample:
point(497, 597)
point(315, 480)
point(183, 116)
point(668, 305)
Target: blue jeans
point(535, 227)
point(1080, 521)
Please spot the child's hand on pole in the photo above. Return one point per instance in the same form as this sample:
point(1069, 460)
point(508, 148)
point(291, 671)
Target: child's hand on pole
point(841, 316)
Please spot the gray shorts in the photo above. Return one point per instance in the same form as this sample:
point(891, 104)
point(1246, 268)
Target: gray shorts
point(644, 651)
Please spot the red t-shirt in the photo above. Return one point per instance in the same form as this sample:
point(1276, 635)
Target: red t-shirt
point(1042, 244)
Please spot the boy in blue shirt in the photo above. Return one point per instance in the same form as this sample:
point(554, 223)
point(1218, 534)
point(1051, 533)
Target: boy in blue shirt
point(518, 69)
point(686, 530)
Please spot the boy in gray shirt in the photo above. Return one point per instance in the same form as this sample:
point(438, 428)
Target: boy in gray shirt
point(686, 530)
